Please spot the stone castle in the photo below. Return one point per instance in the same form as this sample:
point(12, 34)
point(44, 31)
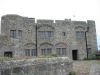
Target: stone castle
point(22, 36)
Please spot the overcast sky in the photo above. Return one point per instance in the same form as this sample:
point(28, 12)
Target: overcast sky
point(54, 9)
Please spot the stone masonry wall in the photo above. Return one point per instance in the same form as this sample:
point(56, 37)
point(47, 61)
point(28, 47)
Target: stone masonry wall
point(37, 66)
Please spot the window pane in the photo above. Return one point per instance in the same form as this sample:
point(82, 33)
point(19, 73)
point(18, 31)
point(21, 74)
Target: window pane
point(64, 33)
point(27, 52)
point(63, 51)
point(80, 34)
point(43, 51)
point(33, 52)
point(49, 50)
point(45, 34)
point(58, 50)
point(13, 33)
point(20, 33)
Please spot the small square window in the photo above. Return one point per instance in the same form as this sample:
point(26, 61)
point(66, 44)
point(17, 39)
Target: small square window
point(64, 33)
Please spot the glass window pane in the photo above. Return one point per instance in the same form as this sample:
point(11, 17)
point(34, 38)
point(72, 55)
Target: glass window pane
point(49, 50)
point(13, 33)
point(27, 52)
point(43, 51)
point(58, 50)
point(45, 34)
point(20, 33)
point(33, 52)
point(63, 51)
point(80, 34)
point(64, 33)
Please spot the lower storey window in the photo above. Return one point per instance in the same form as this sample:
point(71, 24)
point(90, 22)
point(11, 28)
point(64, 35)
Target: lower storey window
point(61, 51)
point(30, 52)
point(46, 51)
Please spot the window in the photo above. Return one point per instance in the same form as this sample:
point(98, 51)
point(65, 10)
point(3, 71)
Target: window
point(80, 34)
point(61, 51)
point(58, 51)
point(30, 52)
point(45, 34)
point(43, 51)
point(33, 52)
point(27, 52)
point(46, 51)
point(20, 33)
point(13, 33)
point(49, 50)
point(64, 33)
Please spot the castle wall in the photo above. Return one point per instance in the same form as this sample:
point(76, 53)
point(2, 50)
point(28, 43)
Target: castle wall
point(64, 35)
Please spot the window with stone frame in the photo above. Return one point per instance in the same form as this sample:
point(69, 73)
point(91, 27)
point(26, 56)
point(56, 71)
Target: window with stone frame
point(45, 34)
point(61, 51)
point(46, 51)
point(30, 52)
point(19, 33)
point(63, 33)
point(13, 33)
point(80, 34)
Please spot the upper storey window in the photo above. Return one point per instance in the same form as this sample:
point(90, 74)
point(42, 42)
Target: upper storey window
point(20, 33)
point(80, 34)
point(13, 33)
point(45, 34)
point(64, 33)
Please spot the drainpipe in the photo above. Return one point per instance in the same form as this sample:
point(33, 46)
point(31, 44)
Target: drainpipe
point(86, 41)
point(36, 40)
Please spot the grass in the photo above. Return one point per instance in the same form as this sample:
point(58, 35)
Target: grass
point(3, 59)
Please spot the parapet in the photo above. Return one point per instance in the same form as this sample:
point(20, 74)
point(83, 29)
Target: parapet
point(28, 20)
point(90, 22)
point(17, 19)
point(42, 21)
point(10, 16)
point(63, 22)
point(79, 22)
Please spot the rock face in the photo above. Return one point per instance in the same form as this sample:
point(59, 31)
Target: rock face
point(37, 66)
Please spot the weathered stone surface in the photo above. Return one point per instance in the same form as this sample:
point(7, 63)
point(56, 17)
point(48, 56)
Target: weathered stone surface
point(95, 69)
point(37, 66)
point(28, 26)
